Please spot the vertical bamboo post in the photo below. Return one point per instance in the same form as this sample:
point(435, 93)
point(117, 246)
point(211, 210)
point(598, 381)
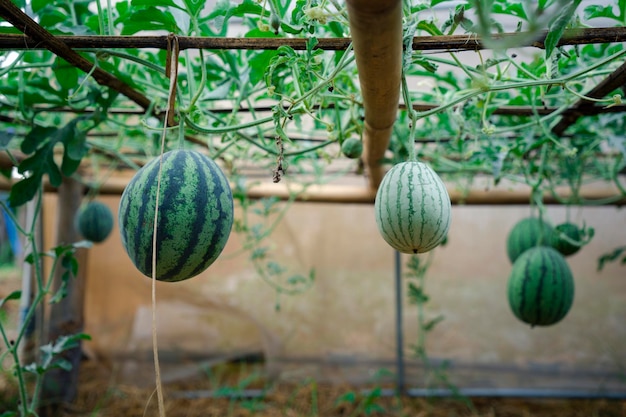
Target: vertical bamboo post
point(376, 30)
point(66, 316)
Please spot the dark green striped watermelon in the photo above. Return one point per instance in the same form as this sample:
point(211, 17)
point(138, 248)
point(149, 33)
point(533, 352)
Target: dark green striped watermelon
point(412, 208)
point(94, 221)
point(564, 233)
point(352, 148)
point(195, 215)
point(540, 287)
point(528, 233)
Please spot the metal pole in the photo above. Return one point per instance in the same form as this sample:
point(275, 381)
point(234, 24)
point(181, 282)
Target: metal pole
point(399, 326)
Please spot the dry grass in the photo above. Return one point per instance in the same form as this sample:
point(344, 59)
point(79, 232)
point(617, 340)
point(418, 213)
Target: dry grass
point(99, 396)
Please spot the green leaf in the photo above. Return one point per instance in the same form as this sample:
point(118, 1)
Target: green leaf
point(70, 263)
point(195, 6)
point(66, 74)
point(557, 26)
point(23, 191)
point(429, 325)
point(69, 165)
point(417, 295)
point(259, 253)
point(246, 8)
point(511, 9)
point(436, 2)
point(258, 63)
point(54, 174)
point(427, 65)
point(38, 5)
point(5, 138)
point(75, 141)
point(274, 268)
point(349, 397)
point(596, 11)
point(151, 18)
point(60, 293)
point(611, 257)
point(156, 3)
point(37, 137)
point(62, 364)
point(429, 27)
point(11, 30)
point(15, 295)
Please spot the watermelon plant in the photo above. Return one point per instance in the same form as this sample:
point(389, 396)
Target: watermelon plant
point(528, 233)
point(95, 221)
point(195, 215)
point(412, 208)
point(540, 287)
point(508, 117)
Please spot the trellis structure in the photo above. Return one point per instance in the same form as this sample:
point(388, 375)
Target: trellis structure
point(377, 42)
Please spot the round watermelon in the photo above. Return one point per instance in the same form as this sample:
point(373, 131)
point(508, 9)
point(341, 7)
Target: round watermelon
point(528, 233)
point(195, 215)
point(94, 221)
point(352, 148)
point(540, 287)
point(563, 234)
point(412, 208)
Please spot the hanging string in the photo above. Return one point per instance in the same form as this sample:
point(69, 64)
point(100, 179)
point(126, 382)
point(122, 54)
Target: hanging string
point(172, 73)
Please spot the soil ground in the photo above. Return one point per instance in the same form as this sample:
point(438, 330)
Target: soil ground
point(99, 395)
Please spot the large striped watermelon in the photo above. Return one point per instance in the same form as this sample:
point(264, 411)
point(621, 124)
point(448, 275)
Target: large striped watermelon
point(412, 208)
point(540, 287)
point(527, 233)
point(195, 215)
point(94, 221)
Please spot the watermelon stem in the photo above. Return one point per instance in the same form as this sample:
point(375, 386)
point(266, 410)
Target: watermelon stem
point(410, 143)
point(181, 135)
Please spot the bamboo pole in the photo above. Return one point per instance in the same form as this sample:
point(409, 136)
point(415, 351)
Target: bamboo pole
point(376, 29)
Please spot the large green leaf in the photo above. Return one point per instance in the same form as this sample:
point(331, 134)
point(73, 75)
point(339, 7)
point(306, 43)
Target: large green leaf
point(36, 138)
point(155, 3)
point(151, 19)
point(66, 74)
point(25, 190)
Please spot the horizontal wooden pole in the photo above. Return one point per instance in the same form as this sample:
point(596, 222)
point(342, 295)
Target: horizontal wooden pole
point(363, 194)
point(420, 43)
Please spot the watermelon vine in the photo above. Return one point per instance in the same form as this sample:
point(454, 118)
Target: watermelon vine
point(285, 113)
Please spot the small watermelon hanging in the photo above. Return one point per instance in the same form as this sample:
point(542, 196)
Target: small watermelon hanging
point(528, 233)
point(94, 221)
point(412, 208)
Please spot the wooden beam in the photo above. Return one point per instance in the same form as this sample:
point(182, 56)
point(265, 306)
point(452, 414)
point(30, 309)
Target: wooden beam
point(420, 43)
point(376, 29)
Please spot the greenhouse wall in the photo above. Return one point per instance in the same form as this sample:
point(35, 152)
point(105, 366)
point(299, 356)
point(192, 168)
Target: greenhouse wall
point(344, 327)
